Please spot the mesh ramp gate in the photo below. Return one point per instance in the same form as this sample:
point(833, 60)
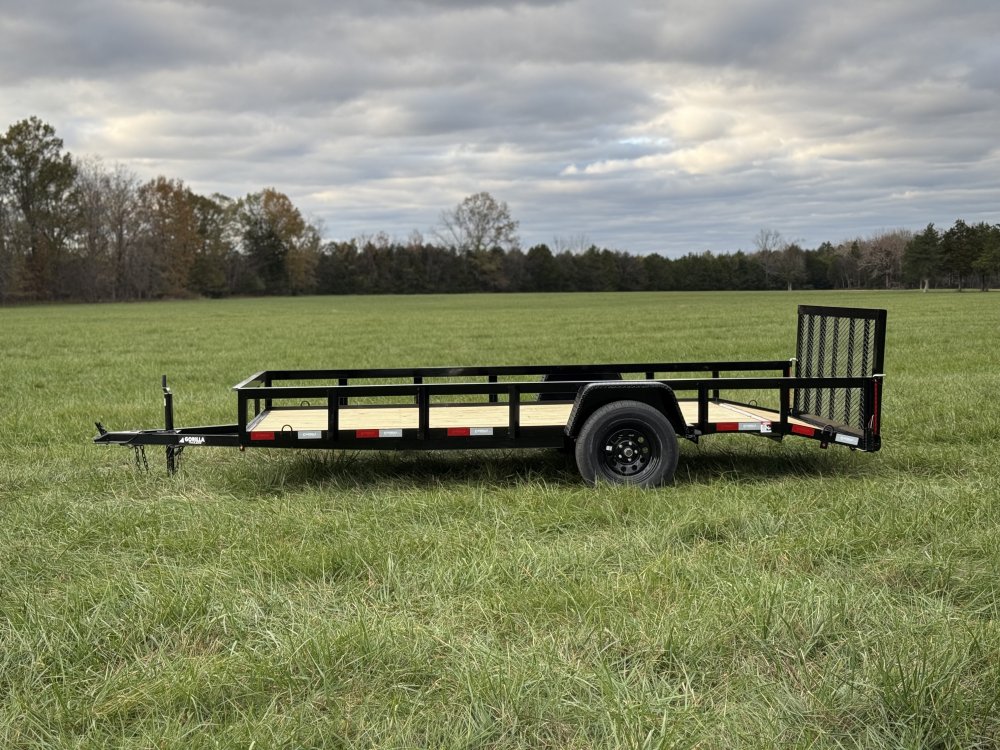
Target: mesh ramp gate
point(841, 342)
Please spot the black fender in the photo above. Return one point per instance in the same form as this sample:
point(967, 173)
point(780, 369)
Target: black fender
point(595, 395)
point(567, 375)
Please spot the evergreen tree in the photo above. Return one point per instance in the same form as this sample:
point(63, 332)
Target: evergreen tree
point(987, 262)
point(959, 251)
point(541, 269)
point(922, 257)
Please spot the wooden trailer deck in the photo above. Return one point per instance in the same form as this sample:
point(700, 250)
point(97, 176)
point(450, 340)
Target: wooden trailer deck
point(476, 415)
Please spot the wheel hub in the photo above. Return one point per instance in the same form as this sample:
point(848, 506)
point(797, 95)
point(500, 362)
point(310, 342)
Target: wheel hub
point(627, 452)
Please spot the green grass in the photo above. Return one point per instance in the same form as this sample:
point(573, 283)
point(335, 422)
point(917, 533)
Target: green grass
point(776, 594)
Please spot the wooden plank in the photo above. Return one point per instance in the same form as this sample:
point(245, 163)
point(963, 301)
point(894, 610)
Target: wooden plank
point(753, 413)
point(360, 418)
point(476, 415)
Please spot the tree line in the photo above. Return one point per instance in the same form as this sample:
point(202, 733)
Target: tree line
point(73, 229)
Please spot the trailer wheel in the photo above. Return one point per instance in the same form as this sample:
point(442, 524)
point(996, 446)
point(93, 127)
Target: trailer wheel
point(627, 442)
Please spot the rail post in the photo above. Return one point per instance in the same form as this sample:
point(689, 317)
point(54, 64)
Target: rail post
point(168, 424)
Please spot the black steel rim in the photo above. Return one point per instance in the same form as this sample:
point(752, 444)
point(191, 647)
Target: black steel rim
point(629, 451)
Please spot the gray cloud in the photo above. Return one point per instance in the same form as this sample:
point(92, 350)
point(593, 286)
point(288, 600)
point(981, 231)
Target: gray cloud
point(652, 126)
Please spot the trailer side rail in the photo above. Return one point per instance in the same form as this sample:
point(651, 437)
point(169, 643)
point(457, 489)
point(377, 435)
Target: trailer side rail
point(423, 397)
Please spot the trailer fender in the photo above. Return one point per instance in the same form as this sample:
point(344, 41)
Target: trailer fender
point(595, 395)
point(591, 375)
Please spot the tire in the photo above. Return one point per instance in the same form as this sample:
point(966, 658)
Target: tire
point(627, 442)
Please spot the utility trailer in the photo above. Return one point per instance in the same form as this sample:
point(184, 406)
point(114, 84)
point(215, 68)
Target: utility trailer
point(623, 421)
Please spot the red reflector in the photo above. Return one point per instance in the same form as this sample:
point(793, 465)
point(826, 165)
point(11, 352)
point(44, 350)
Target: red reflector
point(262, 436)
point(799, 429)
point(366, 434)
point(458, 432)
point(727, 427)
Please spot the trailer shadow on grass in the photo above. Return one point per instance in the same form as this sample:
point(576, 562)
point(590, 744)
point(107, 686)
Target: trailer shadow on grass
point(344, 470)
point(756, 463)
point(749, 461)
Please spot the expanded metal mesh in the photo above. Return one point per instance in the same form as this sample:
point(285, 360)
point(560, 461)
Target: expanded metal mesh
point(831, 345)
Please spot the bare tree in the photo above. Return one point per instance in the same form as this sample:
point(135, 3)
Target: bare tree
point(882, 255)
point(767, 240)
point(575, 244)
point(768, 243)
point(477, 224)
point(780, 258)
point(107, 207)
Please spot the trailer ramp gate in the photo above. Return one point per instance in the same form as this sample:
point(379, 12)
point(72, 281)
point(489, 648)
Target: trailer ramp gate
point(838, 342)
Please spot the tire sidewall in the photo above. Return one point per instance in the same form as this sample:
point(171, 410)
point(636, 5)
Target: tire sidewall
point(618, 416)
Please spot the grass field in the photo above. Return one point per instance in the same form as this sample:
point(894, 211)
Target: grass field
point(775, 595)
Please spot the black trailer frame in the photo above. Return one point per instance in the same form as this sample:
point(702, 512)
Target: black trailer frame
point(831, 392)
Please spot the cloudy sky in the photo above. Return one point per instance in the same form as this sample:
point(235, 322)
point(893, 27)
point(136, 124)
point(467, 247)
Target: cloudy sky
point(661, 125)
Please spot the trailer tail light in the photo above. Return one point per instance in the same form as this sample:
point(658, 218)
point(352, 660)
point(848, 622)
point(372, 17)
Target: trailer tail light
point(799, 429)
point(262, 436)
point(394, 432)
point(727, 427)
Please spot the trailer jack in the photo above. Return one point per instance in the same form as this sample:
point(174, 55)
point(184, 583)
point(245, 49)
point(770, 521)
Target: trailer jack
point(173, 458)
point(173, 452)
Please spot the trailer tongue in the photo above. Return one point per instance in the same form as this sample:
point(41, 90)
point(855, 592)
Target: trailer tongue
point(622, 420)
